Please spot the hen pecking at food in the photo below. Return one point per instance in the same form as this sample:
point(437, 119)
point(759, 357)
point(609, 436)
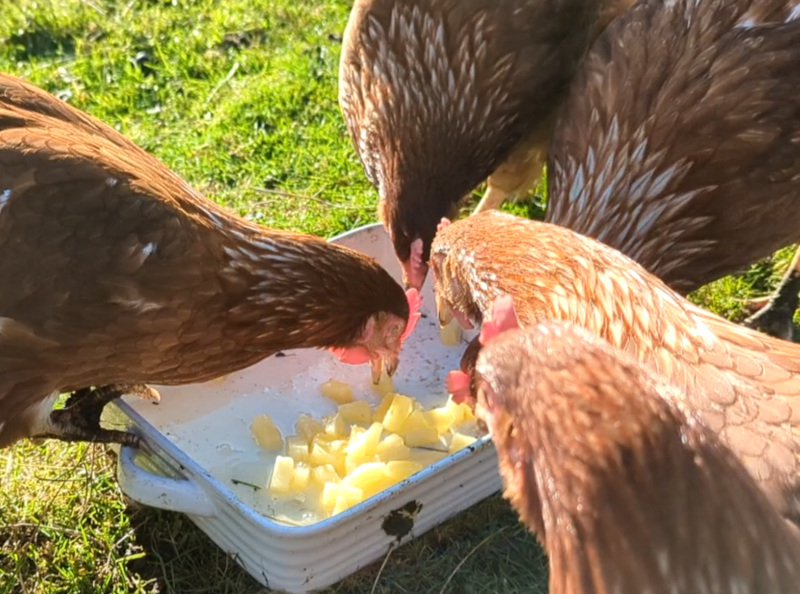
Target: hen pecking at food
point(117, 274)
point(743, 384)
point(439, 94)
point(625, 489)
point(678, 143)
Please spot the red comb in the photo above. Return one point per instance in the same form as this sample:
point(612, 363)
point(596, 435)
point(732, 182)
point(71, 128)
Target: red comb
point(443, 224)
point(458, 384)
point(414, 302)
point(501, 318)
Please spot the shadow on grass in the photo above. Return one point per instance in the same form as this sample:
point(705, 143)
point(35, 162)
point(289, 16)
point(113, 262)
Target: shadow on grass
point(482, 550)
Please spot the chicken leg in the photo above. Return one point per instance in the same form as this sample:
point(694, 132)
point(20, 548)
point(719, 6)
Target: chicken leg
point(79, 420)
point(776, 317)
point(517, 174)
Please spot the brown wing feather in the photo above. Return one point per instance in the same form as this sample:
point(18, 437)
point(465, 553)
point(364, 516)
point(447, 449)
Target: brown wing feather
point(679, 143)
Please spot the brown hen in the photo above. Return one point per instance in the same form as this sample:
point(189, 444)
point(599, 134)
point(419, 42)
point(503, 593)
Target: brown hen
point(117, 273)
point(679, 144)
point(745, 385)
point(624, 488)
point(437, 94)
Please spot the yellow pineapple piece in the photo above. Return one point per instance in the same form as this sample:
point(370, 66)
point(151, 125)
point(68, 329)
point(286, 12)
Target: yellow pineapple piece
point(426, 457)
point(335, 426)
point(300, 478)
point(371, 478)
point(320, 475)
point(297, 448)
point(265, 433)
point(308, 427)
point(398, 470)
point(356, 412)
point(450, 335)
point(426, 436)
point(380, 412)
point(442, 418)
point(399, 410)
point(363, 447)
point(331, 492)
point(321, 454)
point(281, 480)
point(416, 421)
point(339, 392)
point(461, 412)
point(460, 441)
point(384, 386)
point(393, 447)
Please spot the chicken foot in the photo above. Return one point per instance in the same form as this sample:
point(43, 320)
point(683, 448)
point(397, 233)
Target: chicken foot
point(79, 420)
point(776, 317)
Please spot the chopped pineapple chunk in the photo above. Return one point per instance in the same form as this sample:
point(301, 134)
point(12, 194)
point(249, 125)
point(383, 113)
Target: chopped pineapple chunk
point(426, 436)
point(333, 491)
point(399, 410)
point(297, 448)
point(300, 478)
point(266, 434)
point(416, 421)
point(461, 412)
point(323, 474)
point(356, 412)
point(336, 427)
point(282, 473)
point(460, 441)
point(339, 392)
point(384, 386)
point(371, 478)
point(380, 412)
point(308, 427)
point(442, 418)
point(393, 447)
point(450, 335)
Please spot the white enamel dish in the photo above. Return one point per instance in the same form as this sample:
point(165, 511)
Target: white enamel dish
point(199, 445)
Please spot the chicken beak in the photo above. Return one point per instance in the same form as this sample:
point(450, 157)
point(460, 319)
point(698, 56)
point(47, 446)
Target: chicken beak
point(376, 364)
point(390, 364)
point(445, 313)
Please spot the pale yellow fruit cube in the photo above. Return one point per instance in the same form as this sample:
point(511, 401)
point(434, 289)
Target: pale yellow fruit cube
point(333, 491)
point(265, 433)
point(393, 447)
point(384, 386)
point(371, 478)
point(461, 412)
point(450, 335)
point(335, 426)
point(442, 418)
point(300, 478)
point(323, 474)
point(363, 447)
point(459, 441)
point(426, 436)
point(356, 412)
point(380, 412)
point(399, 470)
point(308, 427)
point(339, 392)
point(321, 454)
point(416, 421)
point(399, 410)
point(297, 448)
point(281, 480)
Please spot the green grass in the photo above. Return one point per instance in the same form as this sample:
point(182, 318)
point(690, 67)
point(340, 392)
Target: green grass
point(239, 97)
